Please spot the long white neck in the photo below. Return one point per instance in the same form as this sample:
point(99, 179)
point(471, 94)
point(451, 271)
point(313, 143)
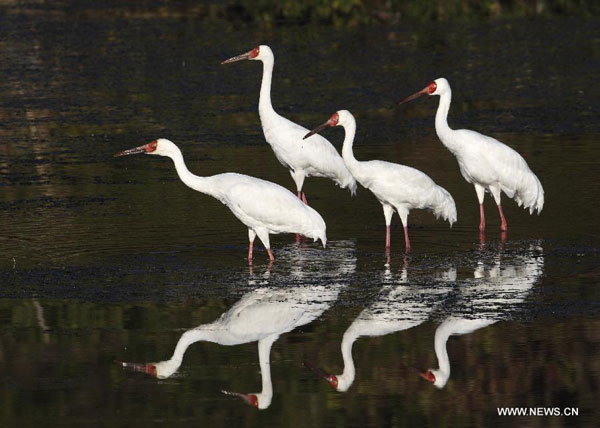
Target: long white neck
point(441, 121)
point(265, 108)
point(347, 153)
point(442, 334)
point(201, 184)
point(346, 379)
point(206, 332)
point(264, 353)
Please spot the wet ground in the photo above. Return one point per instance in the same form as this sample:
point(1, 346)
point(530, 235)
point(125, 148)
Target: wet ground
point(105, 260)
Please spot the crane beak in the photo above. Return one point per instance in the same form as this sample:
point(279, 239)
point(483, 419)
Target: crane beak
point(318, 129)
point(146, 148)
point(321, 374)
point(137, 367)
point(238, 58)
point(415, 95)
point(249, 399)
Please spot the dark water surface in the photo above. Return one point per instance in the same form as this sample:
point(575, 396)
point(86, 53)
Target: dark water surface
point(105, 260)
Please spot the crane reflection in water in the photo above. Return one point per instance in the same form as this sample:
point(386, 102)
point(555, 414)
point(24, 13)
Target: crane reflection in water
point(493, 294)
point(401, 304)
point(276, 305)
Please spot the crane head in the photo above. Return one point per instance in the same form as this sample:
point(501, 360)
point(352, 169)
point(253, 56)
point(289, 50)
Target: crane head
point(340, 383)
point(146, 148)
point(147, 368)
point(428, 376)
point(159, 370)
point(437, 87)
point(333, 121)
point(250, 399)
point(161, 147)
point(253, 54)
point(438, 378)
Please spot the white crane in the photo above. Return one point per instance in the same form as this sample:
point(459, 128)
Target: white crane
point(397, 187)
point(259, 316)
point(488, 299)
point(264, 207)
point(399, 307)
point(316, 158)
point(484, 161)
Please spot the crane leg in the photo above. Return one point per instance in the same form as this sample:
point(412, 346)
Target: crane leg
point(251, 236)
point(481, 239)
point(263, 235)
point(480, 190)
point(496, 194)
point(388, 211)
point(404, 217)
point(297, 234)
point(302, 196)
point(298, 177)
point(481, 219)
point(503, 223)
point(388, 238)
point(406, 240)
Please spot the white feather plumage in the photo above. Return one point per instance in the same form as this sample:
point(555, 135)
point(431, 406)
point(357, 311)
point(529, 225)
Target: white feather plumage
point(264, 207)
point(488, 164)
point(315, 158)
point(397, 187)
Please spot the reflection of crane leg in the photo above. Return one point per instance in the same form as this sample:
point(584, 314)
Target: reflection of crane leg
point(39, 312)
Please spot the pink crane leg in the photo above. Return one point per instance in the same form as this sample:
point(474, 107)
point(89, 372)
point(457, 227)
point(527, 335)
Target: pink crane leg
point(304, 198)
point(503, 223)
point(388, 238)
point(482, 218)
point(297, 234)
point(250, 251)
point(271, 257)
point(406, 239)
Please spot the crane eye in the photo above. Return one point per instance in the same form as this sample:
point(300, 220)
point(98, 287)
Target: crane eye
point(432, 87)
point(255, 52)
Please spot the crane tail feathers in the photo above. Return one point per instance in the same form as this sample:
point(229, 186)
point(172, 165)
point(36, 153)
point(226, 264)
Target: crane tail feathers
point(529, 193)
point(351, 185)
point(444, 206)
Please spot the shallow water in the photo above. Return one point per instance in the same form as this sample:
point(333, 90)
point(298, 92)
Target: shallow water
point(106, 259)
